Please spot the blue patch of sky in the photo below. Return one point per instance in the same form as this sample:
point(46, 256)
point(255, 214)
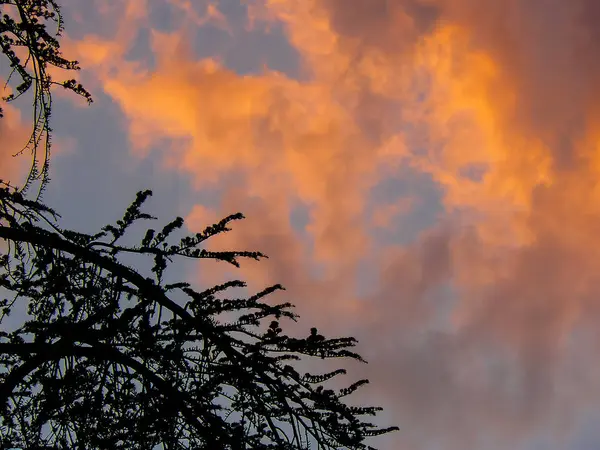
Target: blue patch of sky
point(251, 52)
point(474, 172)
point(140, 49)
point(404, 228)
point(246, 51)
point(164, 16)
point(586, 435)
point(300, 217)
point(92, 23)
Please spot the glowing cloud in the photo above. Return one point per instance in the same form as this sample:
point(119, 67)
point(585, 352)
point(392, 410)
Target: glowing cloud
point(472, 320)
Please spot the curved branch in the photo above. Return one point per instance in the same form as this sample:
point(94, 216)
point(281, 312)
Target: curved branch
point(146, 286)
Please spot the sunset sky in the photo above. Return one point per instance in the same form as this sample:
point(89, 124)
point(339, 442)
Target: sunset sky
point(423, 174)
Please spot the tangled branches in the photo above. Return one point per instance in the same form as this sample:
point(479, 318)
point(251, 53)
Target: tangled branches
point(110, 358)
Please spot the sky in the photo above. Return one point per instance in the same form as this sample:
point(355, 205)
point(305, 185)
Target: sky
point(423, 175)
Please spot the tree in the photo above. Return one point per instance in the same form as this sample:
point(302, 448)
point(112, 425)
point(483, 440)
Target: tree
point(112, 357)
point(24, 29)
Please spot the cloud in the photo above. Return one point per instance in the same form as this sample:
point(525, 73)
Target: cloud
point(503, 94)
point(473, 325)
point(274, 130)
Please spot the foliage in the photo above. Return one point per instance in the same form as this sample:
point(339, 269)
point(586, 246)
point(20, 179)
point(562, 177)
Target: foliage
point(109, 358)
point(32, 49)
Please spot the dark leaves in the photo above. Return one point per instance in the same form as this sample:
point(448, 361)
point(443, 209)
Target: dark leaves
point(110, 358)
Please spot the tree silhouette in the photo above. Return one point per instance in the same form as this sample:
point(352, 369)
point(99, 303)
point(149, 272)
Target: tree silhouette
point(108, 356)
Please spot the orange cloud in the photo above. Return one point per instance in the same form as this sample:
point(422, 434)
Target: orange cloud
point(284, 136)
point(502, 94)
point(472, 321)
